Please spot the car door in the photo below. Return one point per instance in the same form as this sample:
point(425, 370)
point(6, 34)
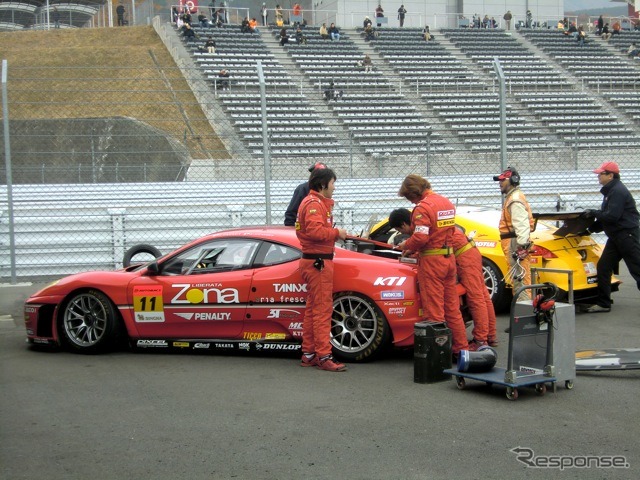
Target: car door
point(201, 292)
point(278, 295)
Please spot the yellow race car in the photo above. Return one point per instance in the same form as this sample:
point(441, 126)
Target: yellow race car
point(560, 254)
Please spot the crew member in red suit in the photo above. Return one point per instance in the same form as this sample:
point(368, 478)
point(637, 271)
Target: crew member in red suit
point(470, 275)
point(432, 225)
point(317, 236)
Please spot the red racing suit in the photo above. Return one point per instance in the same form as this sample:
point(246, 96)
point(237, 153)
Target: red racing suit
point(317, 236)
point(433, 223)
point(470, 274)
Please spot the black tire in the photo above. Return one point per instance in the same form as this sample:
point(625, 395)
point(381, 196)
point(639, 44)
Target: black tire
point(141, 249)
point(89, 323)
point(359, 330)
point(494, 280)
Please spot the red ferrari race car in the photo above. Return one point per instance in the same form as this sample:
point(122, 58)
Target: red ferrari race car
point(232, 290)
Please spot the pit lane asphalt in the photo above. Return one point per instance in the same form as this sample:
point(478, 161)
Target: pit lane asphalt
point(166, 416)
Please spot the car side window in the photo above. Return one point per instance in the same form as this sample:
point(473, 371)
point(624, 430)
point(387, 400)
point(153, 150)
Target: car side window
point(274, 253)
point(213, 256)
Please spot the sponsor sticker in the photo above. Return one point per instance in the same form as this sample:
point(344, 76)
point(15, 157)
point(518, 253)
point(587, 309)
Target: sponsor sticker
point(590, 268)
point(422, 229)
point(200, 345)
point(275, 336)
point(397, 311)
point(181, 344)
point(392, 295)
point(224, 346)
point(252, 335)
point(485, 244)
point(446, 223)
point(152, 343)
point(147, 304)
point(389, 281)
point(443, 214)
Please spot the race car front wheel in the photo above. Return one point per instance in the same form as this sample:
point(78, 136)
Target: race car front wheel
point(89, 322)
point(359, 331)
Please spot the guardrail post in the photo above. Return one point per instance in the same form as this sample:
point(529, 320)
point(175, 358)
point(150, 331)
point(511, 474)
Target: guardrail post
point(117, 235)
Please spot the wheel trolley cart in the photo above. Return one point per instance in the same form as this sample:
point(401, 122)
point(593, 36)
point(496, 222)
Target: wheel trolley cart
point(530, 356)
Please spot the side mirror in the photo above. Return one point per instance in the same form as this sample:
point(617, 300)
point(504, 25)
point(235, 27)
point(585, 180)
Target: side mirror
point(153, 269)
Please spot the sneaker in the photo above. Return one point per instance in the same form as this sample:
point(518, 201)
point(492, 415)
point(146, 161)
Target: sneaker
point(597, 309)
point(309, 361)
point(327, 363)
point(492, 341)
point(474, 345)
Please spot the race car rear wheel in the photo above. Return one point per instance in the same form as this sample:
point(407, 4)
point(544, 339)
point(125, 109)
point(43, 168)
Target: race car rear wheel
point(359, 330)
point(494, 280)
point(89, 322)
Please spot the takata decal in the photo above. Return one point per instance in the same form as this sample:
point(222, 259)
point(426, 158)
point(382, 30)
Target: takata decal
point(392, 295)
point(283, 313)
point(485, 244)
point(147, 303)
point(290, 287)
point(390, 281)
point(190, 294)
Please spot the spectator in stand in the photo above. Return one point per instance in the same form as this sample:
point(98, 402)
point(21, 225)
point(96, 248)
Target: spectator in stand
point(379, 13)
point(331, 93)
point(210, 45)
point(212, 9)
point(401, 13)
point(494, 24)
point(561, 25)
point(572, 30)
point(366, 23)
point(426, 34)
point(203, 20)
point(284, 38)
point(324, 33)
point(507, 19)
point(367, 64)
point(529, 19)
point(279, 20)
point(223, 79)
point(616, 27)
point(369, 33)
point(186, 17)
point(296, 11)
point(244, 26)
point(264, 13)
point(253, 25)
point(582, 35)
point(334, 32)
point(599, 25)
point(56, 18)
point(189, 34)
point(120, 14)
point(606, 33)
point(633, 51)
point(300, 37)
point(486, 22)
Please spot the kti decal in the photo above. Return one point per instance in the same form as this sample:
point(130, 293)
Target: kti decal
point(147, 304)
point(389, 281)
point(189, 294)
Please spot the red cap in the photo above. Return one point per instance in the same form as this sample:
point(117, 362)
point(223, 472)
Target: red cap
point(610, 167)
point(317, 166)
point(508, 173)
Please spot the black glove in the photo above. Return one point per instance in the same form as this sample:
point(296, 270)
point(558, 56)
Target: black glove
point(588, 213)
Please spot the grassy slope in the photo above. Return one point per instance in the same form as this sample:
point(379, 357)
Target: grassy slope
point(104, 72)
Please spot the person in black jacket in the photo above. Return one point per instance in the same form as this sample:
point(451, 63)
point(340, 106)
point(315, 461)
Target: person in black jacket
point(299, 194)
point(619, 219)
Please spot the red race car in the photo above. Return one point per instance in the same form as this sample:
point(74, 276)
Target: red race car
point(233, 290)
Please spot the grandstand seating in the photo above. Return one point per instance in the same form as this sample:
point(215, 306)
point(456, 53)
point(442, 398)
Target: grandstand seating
point(379, 119)
point(591, 63)
point(426, 64)
point(624, 39)
point(520, 65)
point(294, 127)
